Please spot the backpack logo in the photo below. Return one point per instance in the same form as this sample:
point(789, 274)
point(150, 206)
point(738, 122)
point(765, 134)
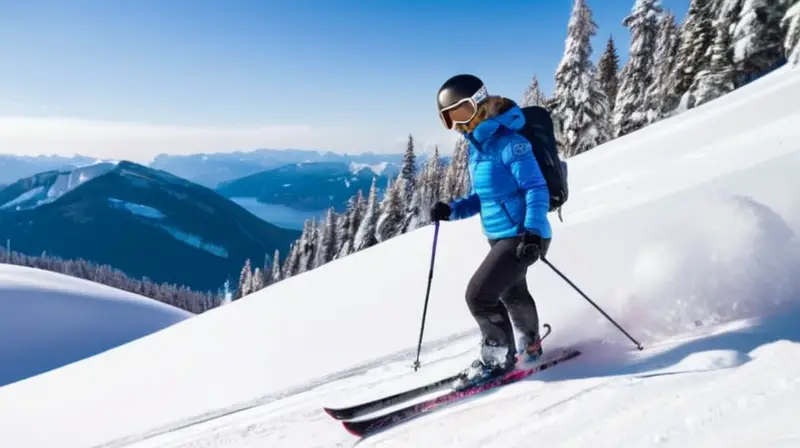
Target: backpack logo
point(520, 149)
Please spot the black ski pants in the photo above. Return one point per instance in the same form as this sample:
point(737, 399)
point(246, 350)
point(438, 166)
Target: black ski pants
point(498, 296)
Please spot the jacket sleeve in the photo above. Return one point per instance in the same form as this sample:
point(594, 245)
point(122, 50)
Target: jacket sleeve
point(518, 157)
point(465, 207)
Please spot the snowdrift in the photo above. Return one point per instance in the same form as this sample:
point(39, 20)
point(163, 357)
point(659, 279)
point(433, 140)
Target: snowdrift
point(48, 320)
point(686, 232)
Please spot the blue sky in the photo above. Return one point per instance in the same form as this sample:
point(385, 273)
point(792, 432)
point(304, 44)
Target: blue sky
point(131, 78)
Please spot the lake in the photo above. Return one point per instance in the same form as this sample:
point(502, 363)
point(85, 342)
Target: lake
point(278, 214)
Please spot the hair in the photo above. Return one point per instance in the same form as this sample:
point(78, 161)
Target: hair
point(491, 107)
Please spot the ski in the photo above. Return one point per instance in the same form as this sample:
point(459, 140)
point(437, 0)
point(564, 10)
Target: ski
point(363, 428)
point(358, 410)
point(361, 409)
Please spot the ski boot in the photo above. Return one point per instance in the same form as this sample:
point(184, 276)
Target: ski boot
point(494, 362)
point(530, 347)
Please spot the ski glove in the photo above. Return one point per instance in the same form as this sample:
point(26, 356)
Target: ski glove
point(440, 212)
point(529, 248)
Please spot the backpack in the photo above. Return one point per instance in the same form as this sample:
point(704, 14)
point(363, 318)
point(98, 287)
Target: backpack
point(538, 130)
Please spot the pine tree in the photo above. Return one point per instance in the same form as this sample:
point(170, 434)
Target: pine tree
point(533, 95)
point(696, 37)
point(637, 75)
point(365, 235)
point(791, 26)
point(291, 265)
point(608, 73)
point(307, 245)
point(661, 98)
point(408, 172)
point(429, 189)
point(275, 276)
point(327, 239)
point(580, 103)
point(390, 221)
point(245, 281)
point(758, 37)
point(456, 177)
point(257, 280)
point(355, 210)
point(717, 79)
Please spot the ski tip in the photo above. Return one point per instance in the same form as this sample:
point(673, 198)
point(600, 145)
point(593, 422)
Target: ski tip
point(334, 413)
point(351, 430)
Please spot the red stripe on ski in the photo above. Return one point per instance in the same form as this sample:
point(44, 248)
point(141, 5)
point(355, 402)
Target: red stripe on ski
point(363, 428)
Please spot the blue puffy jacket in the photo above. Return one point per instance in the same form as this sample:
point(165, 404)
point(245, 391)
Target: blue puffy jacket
point(508, 188)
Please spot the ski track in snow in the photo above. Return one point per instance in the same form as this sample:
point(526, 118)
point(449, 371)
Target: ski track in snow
point(696, 256)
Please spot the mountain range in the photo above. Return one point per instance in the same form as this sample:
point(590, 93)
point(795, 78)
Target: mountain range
point(145, 222)
point(307, 186)
point(213, 169)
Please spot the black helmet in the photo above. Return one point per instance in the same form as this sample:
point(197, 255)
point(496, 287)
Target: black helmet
point(456, 91)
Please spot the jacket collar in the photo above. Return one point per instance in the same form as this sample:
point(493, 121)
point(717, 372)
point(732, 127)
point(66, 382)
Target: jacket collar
point(512, 119)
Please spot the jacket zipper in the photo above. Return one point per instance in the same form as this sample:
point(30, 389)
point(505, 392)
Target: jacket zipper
point(503, 206)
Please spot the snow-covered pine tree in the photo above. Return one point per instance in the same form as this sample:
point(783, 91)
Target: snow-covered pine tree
point(348, 225)
point(275, 276)
point(326, 248)
point(717, 79)
point(456, 177)
point(579, 101)
point(428, 191)
point(245, 280)
point(409, 172)
point(392, 216)
point(257, 280)
point(758, 37)
point(533, 95)
point(343, 230)
point(365, 235)
point(608, 73)
point(696, 37)
point(637, 74)
point(661, 98)
point(291, 265)
point(791, 26)
point(307, 245)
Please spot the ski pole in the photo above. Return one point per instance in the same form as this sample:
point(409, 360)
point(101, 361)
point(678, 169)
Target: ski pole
point(638, 345)
point(427, 293)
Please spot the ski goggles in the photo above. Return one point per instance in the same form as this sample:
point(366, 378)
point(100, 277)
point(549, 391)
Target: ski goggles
point(473, 101)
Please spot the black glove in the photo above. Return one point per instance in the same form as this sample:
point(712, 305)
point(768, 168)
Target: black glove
point(529, 248)
point(440, 212)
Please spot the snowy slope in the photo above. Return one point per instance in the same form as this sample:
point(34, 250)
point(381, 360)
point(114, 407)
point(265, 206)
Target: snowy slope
point(685, 232)
point(48, 320)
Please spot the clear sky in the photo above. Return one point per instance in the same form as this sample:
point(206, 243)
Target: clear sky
point(133, 78)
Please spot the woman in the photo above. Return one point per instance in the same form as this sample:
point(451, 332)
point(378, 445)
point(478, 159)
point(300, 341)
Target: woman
point(510, 193)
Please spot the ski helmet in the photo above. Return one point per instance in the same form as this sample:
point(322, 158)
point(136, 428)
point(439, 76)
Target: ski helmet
point(459, 90)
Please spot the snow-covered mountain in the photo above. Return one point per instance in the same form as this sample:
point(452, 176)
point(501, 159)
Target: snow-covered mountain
point(213, 169)
point(686, 232)
point(309, 186)
point(48, 320)
point(14, 167)
point(145, 222)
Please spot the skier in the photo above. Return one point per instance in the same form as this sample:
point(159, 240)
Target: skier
point(510, 194)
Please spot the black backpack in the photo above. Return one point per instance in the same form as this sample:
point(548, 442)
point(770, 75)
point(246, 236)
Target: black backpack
point(539, 131)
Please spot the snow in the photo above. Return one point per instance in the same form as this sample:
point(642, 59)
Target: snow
point(195, 241)
point(64, 183)
point(693, 250)
point(24, 197)
point(137, 209)
point(70, 180)
point(377, 168)
point(48, 320)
